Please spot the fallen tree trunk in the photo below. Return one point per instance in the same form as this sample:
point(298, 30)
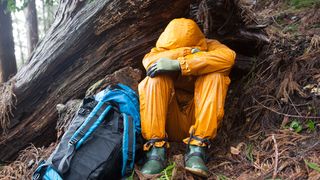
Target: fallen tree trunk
point(87, 41)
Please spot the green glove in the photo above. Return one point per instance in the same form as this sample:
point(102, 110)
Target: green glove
point(163, 66)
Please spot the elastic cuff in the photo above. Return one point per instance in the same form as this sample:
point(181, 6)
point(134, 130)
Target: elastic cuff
point(194, 142)
point(148, 146)
point(185, 70)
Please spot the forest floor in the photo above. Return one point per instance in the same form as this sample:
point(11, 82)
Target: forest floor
point(279, 134)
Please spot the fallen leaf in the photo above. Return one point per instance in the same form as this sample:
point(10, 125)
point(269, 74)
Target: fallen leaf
point(234, 151)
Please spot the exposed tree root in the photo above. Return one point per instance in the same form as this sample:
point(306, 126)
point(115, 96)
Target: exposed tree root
point(7, 103)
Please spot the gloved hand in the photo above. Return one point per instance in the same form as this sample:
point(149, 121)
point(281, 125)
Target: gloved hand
point(162, 66)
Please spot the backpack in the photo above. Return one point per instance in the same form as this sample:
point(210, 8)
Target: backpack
point(102, 140)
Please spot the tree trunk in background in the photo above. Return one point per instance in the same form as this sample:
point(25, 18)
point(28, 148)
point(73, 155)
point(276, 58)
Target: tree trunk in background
point(20, 61)
point(8, 66)
point(44, 18)
point(32, 26)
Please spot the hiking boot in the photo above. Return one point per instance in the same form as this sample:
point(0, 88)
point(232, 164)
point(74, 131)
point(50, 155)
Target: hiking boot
point(195, 161)
point(156, 161)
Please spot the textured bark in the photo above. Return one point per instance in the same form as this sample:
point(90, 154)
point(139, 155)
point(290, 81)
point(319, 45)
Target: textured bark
point(8, 66)
point(31, 26)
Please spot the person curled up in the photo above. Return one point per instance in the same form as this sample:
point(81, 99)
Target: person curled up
point(183, 95)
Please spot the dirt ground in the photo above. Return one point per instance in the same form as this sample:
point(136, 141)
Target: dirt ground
point(271, 128)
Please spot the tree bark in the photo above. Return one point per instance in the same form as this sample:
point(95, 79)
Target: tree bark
point(8, 66)
point(31, 26)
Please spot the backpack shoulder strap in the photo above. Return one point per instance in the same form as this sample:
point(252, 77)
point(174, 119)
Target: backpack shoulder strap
point(90, 124)
point(128, 145)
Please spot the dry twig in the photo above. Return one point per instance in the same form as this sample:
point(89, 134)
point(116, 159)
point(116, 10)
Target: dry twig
point(276, 157)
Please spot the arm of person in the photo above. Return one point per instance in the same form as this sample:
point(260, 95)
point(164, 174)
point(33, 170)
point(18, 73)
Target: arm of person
point(218, 58)
point(157, 53)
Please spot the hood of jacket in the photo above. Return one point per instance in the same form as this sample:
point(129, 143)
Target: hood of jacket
point(182, 32)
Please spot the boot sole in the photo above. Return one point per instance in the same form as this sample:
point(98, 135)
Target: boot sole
point(197, 172)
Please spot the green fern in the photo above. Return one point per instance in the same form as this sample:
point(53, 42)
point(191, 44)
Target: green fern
point(167, 172)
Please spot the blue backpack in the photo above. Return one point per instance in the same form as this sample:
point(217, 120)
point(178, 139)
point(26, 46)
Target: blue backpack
point(102, 140)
